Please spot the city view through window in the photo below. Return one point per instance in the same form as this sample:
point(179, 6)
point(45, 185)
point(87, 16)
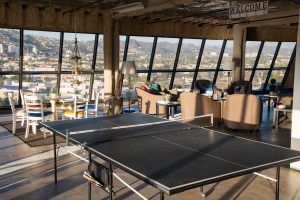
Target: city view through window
point(173, 63)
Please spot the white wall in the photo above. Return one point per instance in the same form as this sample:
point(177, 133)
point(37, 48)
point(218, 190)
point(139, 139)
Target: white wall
point(295, 140)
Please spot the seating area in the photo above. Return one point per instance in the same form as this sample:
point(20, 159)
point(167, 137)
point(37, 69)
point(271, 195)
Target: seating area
point(149, 99)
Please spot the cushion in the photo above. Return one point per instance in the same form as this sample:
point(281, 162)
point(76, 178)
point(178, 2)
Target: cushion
point(155, 86)
point(71, 112)
point(46, 113)
point(91, 107)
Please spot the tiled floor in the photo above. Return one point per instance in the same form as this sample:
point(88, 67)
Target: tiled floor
point(26, 173)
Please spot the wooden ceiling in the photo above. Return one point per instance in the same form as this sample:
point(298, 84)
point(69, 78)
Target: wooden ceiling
point(199, 12)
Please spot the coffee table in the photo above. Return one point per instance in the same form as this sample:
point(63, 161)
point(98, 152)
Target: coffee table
point(170, 106)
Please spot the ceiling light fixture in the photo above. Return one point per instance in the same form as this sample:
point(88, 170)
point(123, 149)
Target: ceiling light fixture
point(128, 7)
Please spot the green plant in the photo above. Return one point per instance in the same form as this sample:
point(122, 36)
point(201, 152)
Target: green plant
point(168, 96)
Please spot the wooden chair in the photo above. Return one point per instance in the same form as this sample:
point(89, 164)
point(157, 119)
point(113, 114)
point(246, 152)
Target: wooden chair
point(76, 112)
point(36, 111)
point(17, 114)
point(92, 108)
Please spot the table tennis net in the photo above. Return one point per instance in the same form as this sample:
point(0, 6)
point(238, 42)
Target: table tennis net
point(89, 137)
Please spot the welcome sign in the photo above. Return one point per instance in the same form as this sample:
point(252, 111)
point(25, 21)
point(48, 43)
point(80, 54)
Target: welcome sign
point(248, 10)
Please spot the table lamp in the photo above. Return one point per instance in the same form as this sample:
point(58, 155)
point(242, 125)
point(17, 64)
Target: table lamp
point(128, 68)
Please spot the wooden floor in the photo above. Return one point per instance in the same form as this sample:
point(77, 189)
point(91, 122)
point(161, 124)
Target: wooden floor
point(26, 173)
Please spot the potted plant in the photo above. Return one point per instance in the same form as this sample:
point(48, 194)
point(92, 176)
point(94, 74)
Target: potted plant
point(168, 97)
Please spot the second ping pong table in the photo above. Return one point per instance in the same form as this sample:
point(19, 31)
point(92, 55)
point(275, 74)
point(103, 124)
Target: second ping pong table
point(169, 155)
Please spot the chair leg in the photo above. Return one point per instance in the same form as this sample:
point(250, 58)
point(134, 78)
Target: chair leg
point(27, 129)
point(14, 124)
point(23, 120)
point(34, 127)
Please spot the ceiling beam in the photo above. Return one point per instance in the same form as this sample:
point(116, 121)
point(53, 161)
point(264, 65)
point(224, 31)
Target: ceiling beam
point(153, 8)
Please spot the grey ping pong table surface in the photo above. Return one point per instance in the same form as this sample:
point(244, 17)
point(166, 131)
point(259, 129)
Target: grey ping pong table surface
point(171, 156)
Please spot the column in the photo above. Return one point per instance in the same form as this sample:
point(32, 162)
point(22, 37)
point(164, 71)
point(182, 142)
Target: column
point(238, 56)
point(295, 138)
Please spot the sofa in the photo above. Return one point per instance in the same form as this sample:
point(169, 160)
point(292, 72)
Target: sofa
point(147, 101)
point(243, 112)
point(195, 104)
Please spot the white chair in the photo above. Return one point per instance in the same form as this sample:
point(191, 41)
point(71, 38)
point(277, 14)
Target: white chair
point(17, 114)
point(36, 111)
point(76, 112)
point(92, 108)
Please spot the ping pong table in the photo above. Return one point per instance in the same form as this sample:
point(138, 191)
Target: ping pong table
point(169, 155)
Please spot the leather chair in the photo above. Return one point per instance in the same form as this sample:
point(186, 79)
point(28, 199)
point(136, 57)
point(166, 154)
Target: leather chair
point(203, 86)
point(195, 104)
point(240, 87)
point(242, 112)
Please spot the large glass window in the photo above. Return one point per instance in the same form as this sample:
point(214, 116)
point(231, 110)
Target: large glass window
point(122, 49)
point(9, 49)
point(165, 53)
point(224, 77)
point(250, 56)
point(162, 79)
point(211, 54)
point(282, 61)
point(40, 83)
point(183, 80)
point(8, 84)
point(100, 54)
point(86, 48)
point(67, 85)
point(189, 54)
point(139, 50)
point(41, 51)
point(99, 84)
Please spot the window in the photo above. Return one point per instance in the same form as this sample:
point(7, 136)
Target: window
point(211, 54)
point(41, 83)
point(100, 54)
point(139, 50)
point(86, 48)
point(67, 85)
point(162, 79)
point(282, 61)
point(189, 54)
point(250, 56)
point(165, 53)
point(41, 51)
point(99, 84)
point(224, 76)
point(9, 49)
point(183, 80)
point(122, 49)
point(8, 84)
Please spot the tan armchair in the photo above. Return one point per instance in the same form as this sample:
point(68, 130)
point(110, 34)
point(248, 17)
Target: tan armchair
point(148, 101)
point(242, 111)
point(195, 104)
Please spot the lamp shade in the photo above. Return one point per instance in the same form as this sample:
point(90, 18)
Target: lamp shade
point(128, 67)
point(230, 65)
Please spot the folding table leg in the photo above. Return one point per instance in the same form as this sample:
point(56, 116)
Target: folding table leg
point(89, 183)
point(161, 196)
point(110, 182)
point(277, 182)
point(55, 162)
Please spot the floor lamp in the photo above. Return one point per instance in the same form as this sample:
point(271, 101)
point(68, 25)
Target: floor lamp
point(129, 69)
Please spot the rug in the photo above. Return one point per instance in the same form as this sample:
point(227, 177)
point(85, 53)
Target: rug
point(33, 140)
